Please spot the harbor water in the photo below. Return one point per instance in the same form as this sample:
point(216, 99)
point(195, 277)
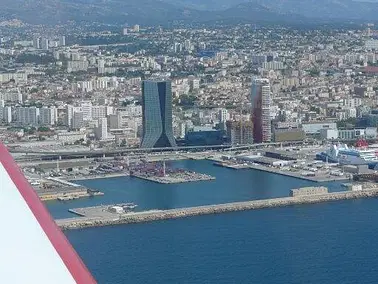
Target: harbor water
point(320, 243)
point(229, 186)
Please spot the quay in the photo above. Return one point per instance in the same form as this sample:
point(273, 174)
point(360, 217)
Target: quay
point(309, 196)
point(52, 188)
point(66, 194)
point(316, 178)
point(230, 165)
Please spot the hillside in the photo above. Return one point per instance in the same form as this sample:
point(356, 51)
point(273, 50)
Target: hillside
point(163, 12)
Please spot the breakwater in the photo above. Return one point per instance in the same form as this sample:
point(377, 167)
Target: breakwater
point(148, 216)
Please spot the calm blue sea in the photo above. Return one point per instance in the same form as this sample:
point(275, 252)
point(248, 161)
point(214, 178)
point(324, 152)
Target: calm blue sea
point(321, 243)
point(324, 243)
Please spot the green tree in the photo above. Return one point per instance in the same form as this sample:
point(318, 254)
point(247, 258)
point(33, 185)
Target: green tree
point(123, 143)
point(347, 123)
point(43, 129)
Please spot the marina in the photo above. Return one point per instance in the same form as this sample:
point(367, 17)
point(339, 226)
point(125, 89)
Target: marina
point(102, 216)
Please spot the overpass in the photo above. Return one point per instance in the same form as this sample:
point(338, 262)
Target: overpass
point(55, 155)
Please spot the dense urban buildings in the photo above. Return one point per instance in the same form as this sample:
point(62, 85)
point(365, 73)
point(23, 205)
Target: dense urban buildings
point(309, 84)
point(157, 114)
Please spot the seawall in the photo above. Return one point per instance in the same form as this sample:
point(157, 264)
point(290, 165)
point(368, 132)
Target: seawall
point(130, 218)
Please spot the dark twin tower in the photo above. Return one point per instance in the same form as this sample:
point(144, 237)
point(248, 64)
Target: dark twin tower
point(157, 115)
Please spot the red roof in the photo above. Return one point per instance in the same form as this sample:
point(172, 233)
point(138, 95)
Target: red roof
point(371, 69)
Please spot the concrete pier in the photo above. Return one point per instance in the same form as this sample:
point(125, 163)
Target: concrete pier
point(99, 219)
point(171, 179)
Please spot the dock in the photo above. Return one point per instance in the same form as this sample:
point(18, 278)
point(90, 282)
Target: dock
point(95, 216)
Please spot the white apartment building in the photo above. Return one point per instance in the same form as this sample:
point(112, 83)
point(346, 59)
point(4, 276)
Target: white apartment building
point(98, 112)
point(11, 96)
point(79, 65)
point(48, 115)
point(273, 65)
point(86, 107)
point(7, 114)
point(27, 115)
point(352, 102)
point(223, 115)
point(101, 131)
point(371, 44)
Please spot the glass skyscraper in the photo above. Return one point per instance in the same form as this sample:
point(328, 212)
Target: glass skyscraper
point(260, 99)
point(157, 114)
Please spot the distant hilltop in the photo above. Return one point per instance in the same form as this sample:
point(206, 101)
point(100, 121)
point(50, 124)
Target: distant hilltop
point(12, 23)
point(153, 12)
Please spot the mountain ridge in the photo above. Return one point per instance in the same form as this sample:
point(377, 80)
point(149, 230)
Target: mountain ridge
point(161, 12)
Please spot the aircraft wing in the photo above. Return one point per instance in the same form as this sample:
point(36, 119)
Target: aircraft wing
point(32, 247)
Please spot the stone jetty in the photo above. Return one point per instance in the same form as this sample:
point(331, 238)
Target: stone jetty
point(139, 217)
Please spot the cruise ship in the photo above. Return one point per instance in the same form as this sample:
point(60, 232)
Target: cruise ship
point(344, 155)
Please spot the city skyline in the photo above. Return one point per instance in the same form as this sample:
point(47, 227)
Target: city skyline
point(247, 114)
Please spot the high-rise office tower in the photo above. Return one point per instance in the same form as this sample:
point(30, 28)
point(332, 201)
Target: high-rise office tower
point(62, 40)
point(44, 43)
point(101, 66)
point(78, 120)
point(136, 28)
point(7, 114)
point(223, 115)
point(260, 99)
point(157, 114)
point(37, 42)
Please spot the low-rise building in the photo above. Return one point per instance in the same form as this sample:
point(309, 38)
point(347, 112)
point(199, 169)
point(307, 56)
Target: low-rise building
point(70, 137)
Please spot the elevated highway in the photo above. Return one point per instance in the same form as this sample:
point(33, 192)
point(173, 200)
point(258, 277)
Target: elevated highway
point(64, 154)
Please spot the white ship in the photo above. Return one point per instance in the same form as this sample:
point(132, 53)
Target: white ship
point(344, 155)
